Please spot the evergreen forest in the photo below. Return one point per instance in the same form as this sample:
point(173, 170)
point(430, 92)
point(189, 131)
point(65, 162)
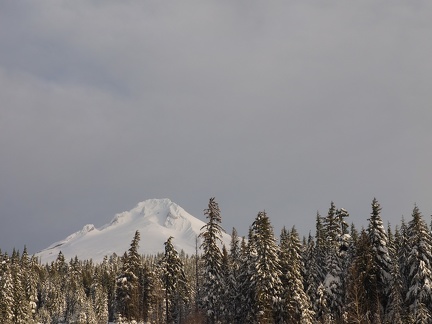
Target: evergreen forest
point(338, 274)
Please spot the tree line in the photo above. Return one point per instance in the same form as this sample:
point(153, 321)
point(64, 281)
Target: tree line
point(338, 275)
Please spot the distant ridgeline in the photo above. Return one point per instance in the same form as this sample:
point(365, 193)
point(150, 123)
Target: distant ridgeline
point(339, 275)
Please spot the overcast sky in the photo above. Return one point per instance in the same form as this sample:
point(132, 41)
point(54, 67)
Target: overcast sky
point(281, 106)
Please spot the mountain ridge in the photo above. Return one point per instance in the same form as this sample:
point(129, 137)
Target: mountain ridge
point(155, 219)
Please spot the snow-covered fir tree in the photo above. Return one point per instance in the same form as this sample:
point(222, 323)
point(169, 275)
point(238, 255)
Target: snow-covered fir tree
point(29, 268)
point(212, 287)
point(53, 290)
point(175, 284)
point(296, 306)
point(147, 298)
point(359, 295)
point(315, 256)
point(246, 313)
point(21, 308)
point(128, 286)
point(107, 274)
point(6, 290)
point(402, 252)
point(320, 248)
point(419, 262)
point(99, 298)
point(76, 299)
point(233, 283)
point(381, 263)
point(226, 309)
point(333, 281)
point(266, 272)
point(332, 228)
point(394, 309)
point(312, 274)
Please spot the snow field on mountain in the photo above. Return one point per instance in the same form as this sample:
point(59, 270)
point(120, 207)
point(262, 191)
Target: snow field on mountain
point(155, 219)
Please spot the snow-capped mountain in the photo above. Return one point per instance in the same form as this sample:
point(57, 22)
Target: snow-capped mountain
point(155, 219)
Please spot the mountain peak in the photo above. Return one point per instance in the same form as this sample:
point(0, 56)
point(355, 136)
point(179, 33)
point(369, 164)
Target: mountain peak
point(156, 219)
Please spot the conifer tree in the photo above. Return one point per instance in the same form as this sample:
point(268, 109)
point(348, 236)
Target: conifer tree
point(226, 309)
point(296, 304)
point(332, 227)
point(267, 273)
point(354, 234)
point(341, 214)
point(146, 286)
point(29, 280)
point(211, 235)
point(60, 266)
point(175, 284)
point(358, 290)
point(247, 287)
point(233, 283)
point(312, 278)
point(323, 314)
point(419, 295)
point(127, 295)
point(381, 264)
point(74, 292)
point(334, 286)
point(403, 250)
point(21, 308)
point(53, 300)
point(107, 275)
point(99, 299)
point(319, 252)
point(320, 248)
point(394, 309)
point(6, 290)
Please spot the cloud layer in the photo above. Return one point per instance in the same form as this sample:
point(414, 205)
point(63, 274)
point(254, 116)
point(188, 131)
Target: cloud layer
point(282, 106)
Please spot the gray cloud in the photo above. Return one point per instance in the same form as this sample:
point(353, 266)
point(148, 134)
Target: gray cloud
point(281, 106)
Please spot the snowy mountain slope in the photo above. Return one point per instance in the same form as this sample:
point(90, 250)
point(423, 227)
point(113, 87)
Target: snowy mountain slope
point(156, 220)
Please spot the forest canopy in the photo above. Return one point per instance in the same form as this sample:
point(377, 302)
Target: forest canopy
point(339, 274)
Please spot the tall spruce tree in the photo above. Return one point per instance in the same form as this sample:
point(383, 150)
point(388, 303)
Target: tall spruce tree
point(233, 283)
point(147, 297)
point(419, 295)
point(320, 247)
point(267, 272)
point(311, 273)
point(332, 228)
point(29, 279)
point(128, 288)
point(175, 284)
point(316, 279)
point(394, 309)
point(381, 263)
point(333, 281)
point(247, 287)
point(99, 298)
point(211, 235)
point(403, 249)
point(6, 290)
point(21, 307)
point(227, 314)
point(108, 274)
point(358, 294)
point(297, 307)
point(53, 298)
